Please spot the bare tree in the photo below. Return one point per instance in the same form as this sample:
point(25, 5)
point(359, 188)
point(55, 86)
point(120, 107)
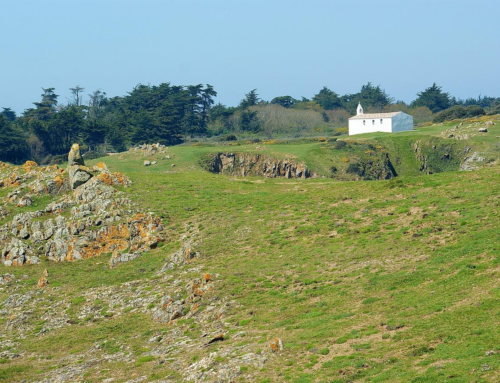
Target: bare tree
point(76, 95)
point(96, 101)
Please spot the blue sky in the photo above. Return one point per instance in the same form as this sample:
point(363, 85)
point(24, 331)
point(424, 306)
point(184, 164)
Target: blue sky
point(280, 47)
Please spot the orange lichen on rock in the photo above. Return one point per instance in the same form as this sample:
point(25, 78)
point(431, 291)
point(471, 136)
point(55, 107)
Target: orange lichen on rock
point(28, 165)
point(11, 180)
point(59, 181)
point(276, 345)
point(111, 179)
point(3, 165)
point(106, 178)
point(207, 278)
point(197, 292)
point(120, 231)
point(167, 302)
point(121, 178)
point(42, 282)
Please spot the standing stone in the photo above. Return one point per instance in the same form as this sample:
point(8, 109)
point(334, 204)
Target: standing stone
point(77, 171)
point(74, 156)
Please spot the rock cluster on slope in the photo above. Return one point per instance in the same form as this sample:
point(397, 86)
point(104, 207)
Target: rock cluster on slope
point(150, 149)
point(93, 219)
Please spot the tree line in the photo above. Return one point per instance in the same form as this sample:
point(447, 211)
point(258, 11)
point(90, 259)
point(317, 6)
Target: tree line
point(170, 114)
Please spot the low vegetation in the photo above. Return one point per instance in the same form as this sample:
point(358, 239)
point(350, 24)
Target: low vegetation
point(171, 114)
point(391, 280)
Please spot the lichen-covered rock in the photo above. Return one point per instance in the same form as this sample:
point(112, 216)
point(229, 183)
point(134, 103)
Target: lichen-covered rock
point(276, 345)
point(97, 219)
point(471, 162)
point(122, 258)
point(184, 255)
point(74, 156)
point(17, 253)
point(42, 282)
point(78, 175)
point(25, 200)
point(6, 279)
point(169, 309)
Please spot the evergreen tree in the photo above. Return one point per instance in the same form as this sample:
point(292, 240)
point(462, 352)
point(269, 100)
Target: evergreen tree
point(248, 121)
point(45, 109)
point(328, 99)
point(284, 101)
point(207, 101)
point(251, 99)
point(9, 114)
point(12, 142)
point(94, 132)
point(433, 98)
point(373, 98)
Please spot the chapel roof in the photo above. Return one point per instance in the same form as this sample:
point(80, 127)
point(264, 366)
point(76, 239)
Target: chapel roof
point(367, 116)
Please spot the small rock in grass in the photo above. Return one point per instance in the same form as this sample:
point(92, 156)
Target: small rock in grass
point(42, 282)
point(218, 338)
point(276, 345)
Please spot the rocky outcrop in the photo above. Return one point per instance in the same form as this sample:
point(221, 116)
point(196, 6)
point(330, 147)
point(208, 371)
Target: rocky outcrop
point(18, 253)
point(437, 155)
point(94, 219)
point(78, 175)
point(172, 308)
point(252, 164)
point(150, 149)
point(373, 167)
point(472, 162)
point(122, 258)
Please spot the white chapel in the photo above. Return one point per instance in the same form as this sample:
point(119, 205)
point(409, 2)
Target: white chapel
point(379, 122)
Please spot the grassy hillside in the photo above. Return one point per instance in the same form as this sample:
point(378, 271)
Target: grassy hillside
point(393, 280)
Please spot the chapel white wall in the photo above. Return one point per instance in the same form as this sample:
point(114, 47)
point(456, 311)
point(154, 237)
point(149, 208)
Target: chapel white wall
point(356, 126)
point(402, 122)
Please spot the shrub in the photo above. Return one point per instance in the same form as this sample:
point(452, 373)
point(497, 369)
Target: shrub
point(494, 111)
point(459, 111)
point(229, 137)
point(52, 160)
point(340, 145)
point(93, 154)
point(353, 168)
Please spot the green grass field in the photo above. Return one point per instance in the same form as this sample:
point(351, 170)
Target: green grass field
point(377, 281)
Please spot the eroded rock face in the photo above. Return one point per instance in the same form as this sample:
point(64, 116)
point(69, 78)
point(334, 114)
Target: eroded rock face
point(472, 162)
point(246, 164)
